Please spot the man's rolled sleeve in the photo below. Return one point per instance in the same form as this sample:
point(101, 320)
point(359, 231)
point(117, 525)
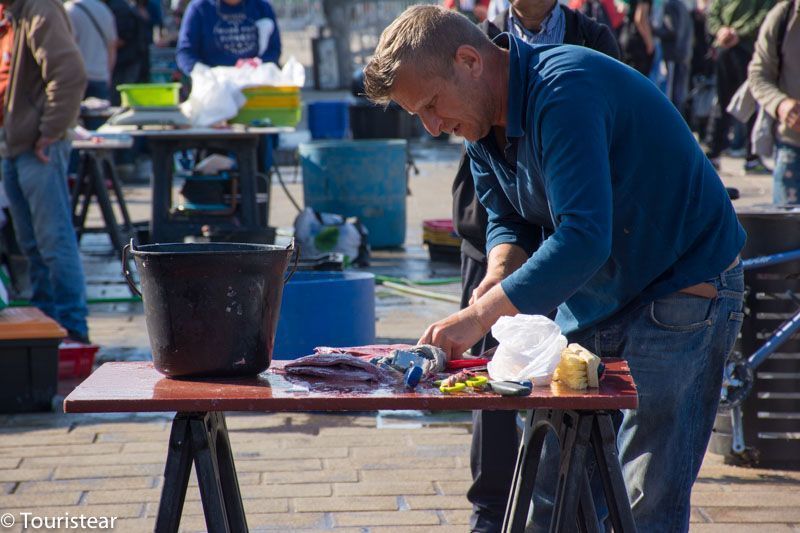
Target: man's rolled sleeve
point(505, 225)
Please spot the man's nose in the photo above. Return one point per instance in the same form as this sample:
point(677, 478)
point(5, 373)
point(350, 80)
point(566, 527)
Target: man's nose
point(432, 123)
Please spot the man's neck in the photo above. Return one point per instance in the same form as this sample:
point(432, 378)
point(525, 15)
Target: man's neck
point(498, 85)
point(532, 17)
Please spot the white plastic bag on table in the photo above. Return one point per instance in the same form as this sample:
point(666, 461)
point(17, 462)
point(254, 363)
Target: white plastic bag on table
point(530, 349)
point(213, 99)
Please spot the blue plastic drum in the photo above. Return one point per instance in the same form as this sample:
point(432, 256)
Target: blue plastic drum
point(325, 309)
point(366, 179)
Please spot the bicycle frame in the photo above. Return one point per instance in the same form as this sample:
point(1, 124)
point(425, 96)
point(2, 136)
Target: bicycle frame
point(739, 375)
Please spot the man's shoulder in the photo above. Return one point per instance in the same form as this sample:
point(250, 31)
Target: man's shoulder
point(198, 5)
point(778, 13)
point(48, 12)
point(96, 7)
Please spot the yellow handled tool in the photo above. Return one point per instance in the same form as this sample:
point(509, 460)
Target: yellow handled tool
point(458, 387)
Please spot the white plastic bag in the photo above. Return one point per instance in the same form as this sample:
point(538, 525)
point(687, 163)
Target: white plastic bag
point(530, 349)
point(321, 233)
point(213, 99)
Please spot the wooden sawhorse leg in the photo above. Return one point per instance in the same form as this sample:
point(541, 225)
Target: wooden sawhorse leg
point(202, 438)
point(578, 432)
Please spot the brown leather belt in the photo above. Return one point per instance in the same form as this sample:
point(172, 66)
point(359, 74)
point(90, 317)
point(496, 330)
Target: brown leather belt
point(707, 290)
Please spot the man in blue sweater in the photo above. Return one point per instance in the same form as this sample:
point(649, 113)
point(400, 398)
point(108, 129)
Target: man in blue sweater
point(641, 254)
point(221, 32)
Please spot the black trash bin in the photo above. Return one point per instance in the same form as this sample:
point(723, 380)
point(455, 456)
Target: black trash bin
point(368, 121)
point(771, 412)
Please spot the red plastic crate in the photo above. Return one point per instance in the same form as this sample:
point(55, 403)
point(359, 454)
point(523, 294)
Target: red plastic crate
point(442, 225)
point(75, 360)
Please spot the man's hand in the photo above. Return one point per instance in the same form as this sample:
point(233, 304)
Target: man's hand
point(733, 38)
point(40, 148)
point(726, 37)
point(456, 333)
point(789, 113)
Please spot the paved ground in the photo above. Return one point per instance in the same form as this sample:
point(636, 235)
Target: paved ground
point(314, 472)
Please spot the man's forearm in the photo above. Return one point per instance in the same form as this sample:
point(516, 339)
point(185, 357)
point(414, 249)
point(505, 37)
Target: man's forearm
point(491, 307)
point(504, 259)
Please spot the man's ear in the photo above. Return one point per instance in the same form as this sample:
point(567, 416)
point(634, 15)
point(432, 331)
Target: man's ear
point(468, 58)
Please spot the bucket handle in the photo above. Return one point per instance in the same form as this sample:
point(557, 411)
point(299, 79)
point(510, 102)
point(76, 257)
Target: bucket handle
point(125, 272)
point(296, 247)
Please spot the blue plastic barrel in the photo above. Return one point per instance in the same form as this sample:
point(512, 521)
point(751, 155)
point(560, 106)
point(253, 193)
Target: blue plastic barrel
point(325, 309)
point(329, 119)
point(366, 179)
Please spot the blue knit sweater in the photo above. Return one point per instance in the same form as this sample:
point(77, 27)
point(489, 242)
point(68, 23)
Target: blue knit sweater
point(217, 34)
point(600, 157)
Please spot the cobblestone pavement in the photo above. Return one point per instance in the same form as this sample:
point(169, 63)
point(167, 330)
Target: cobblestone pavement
point(370, 472)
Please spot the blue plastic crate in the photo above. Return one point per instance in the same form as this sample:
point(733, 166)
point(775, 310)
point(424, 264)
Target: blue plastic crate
point(329, 119)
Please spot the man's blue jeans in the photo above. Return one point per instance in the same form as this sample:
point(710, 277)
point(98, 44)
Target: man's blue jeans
point(40, 207)
point(786, 176)
point(676, 348)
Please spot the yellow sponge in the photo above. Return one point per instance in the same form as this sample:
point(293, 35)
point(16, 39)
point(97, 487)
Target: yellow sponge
point(578, 368)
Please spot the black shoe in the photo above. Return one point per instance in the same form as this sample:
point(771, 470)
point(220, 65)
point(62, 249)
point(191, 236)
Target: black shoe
point(756, 166)
point(74, 336)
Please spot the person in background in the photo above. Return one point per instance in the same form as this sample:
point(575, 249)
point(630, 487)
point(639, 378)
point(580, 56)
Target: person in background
point(494, 433)
point(42, 102)
point(152, 20)
point(701, 77)
point(602, 11)
point(495, 8)
point(221, 32)
point(774, 79)
point(636, 40)
point(475, 10)
point(734, 25)
point(677, 41)
point(96, 35)
point(128, 67)
point(6, 46)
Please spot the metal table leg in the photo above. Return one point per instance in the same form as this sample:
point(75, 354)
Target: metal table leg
point(604, 442)
point(537, 425)
point(574, 451)
point(106, 162)
point(579, 432)
point(202, 438)
point(101, 192)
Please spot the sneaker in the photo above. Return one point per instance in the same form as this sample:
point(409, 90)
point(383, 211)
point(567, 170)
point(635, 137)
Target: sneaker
point(755, 166)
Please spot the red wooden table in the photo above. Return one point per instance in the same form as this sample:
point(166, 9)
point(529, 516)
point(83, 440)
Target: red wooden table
point(581, 420)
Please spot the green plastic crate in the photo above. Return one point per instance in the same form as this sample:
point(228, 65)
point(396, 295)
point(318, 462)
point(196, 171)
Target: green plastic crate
point(150, 94)
point(278, 116)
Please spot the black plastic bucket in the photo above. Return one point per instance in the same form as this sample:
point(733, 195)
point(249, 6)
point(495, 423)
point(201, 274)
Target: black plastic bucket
point(211, 309)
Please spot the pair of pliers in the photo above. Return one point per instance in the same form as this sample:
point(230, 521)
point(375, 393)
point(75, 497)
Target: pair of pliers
point(475, 382)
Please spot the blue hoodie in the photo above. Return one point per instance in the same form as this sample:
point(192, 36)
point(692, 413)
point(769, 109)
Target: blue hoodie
point(217, 34)
point(601, 158)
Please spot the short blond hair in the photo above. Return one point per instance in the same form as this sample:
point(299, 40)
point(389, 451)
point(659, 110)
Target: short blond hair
point(429, 36)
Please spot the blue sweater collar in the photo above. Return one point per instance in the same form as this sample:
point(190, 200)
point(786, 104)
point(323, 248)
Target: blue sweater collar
point(519, 57)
